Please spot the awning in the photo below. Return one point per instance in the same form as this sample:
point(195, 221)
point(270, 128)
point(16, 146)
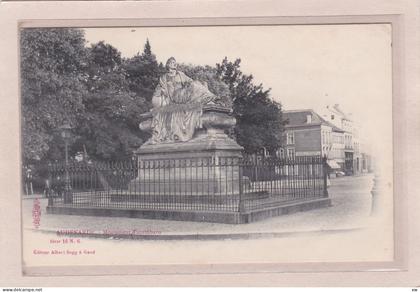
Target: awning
point(333, 164)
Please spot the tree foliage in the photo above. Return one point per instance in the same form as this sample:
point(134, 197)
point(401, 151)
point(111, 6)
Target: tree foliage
point(63, 81)
point(109, 127)
point(52, 90)
point(102, 95)
point(259, 118)
point(143, 72)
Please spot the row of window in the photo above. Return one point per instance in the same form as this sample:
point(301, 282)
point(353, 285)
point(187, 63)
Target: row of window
point(339, 139)
point(348, 141)
point(347, 126)
point(356, 147)
point(290, 138)
point(326, 137)
point(289, 153)
point(325, 150)
point(332, 153)
point(336, 153)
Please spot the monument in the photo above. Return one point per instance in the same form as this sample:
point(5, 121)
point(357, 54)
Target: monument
point(188, 151)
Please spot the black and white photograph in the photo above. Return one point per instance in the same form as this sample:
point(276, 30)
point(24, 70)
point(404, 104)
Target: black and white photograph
point(206, 145)
point(184, 143)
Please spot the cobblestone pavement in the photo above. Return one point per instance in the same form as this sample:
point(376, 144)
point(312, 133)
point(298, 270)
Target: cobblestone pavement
point(351, 203)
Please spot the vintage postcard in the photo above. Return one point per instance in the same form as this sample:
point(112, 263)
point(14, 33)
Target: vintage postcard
point(163, 145)
point(197, 145)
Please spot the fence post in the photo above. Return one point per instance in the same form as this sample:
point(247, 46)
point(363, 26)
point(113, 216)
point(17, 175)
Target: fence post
point(68, 194)
point(241, 189)
point(325, 175)
point(48, 186)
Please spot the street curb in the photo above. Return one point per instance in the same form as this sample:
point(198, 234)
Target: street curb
point(227, 217)
point(32, 197)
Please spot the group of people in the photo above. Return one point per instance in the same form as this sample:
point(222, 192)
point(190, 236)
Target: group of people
point(48, 187)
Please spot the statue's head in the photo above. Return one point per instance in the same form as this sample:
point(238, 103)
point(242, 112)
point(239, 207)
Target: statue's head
point(171, 63)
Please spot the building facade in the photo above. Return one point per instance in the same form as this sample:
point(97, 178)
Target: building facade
point(332, 135)
point(337, 148)
point(305, 134)
point(308, 134)
point(356, 153)
point(344, 122)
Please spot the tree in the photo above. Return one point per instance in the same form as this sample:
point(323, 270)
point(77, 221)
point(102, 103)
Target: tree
point(109, 128)
point(259, 119)
point(143, 72)
point(52, 62)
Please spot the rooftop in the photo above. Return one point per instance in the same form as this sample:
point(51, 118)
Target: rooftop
point(337, 110)
point(299, 118)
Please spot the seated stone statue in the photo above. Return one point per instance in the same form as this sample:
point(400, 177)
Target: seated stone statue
point(177, 106)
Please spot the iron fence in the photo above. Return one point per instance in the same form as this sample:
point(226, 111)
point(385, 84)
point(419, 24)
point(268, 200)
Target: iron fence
point(231, 184)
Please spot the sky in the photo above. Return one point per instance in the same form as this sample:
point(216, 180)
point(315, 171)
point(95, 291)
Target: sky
point(306, 66)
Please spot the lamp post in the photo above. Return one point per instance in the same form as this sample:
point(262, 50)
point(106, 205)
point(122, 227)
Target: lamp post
point(66, 135)
point(377, 189)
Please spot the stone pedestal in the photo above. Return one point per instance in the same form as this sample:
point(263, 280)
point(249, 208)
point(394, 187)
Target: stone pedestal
point(206, 165)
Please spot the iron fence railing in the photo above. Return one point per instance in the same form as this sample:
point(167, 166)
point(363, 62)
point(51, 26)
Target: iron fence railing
point(230, 184)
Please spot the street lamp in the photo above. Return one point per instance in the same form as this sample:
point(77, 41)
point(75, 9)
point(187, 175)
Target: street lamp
point(66, 135)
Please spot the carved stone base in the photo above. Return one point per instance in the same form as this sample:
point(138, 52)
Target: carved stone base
point(200, 166)
point(179, 188)
point(208, 164)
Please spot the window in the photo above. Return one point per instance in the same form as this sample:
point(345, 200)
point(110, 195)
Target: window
point(280, 153)
point(326, 139)
point(290, 138)
point(337, 139)
point(291, 153)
